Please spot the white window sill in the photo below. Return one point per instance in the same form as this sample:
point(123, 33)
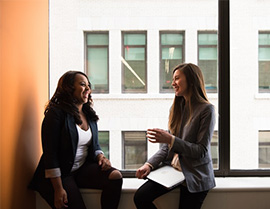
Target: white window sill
point(222, 184)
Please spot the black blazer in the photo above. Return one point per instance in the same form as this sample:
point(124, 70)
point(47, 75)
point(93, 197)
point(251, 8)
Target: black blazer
point(59, 143)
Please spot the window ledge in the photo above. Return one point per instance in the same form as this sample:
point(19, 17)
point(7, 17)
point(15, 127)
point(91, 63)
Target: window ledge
point(232, 184)
point(262, 96)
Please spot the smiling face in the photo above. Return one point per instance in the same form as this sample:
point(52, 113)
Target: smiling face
point(82, 89)
point(179, 83)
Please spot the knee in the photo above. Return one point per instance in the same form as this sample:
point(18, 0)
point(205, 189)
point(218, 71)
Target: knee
point(138, 198)
point(115, 175)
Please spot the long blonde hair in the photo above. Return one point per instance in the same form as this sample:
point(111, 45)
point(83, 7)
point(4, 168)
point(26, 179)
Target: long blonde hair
point(196, 94)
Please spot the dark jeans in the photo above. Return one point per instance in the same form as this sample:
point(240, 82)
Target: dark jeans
point(88, 176)
point(149, 191)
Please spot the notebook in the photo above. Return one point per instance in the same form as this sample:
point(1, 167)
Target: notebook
point(167, 176)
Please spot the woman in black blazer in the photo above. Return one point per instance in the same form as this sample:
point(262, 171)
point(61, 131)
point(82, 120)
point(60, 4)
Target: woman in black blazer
point(191, 125)
point(72, 157)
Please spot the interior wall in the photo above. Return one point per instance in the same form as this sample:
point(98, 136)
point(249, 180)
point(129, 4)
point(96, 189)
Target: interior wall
point(23, 95)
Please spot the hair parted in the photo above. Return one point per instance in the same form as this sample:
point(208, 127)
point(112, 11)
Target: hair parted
point(196, 94)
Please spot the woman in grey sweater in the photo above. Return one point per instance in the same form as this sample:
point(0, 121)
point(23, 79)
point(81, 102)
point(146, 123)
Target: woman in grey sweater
point(191, 125)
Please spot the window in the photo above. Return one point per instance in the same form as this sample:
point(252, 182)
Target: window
point(134, 62)
point(264, 149)
point(171, 54)
point(207, 58)
point(103, 138)
point(264, 61)
point(97, 61)
point(135, 149)
point(214, 150)
point(226, 34)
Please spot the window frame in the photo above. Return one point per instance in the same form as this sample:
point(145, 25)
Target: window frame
point(108, 58)
point(224, 101)
point(123, 91)
point(224, 98)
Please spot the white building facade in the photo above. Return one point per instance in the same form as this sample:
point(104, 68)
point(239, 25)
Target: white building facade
point(126, 112)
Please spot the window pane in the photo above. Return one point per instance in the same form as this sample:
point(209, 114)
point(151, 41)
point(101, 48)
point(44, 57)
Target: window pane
point(208, 59)
point(134, 63)
point(264, 149)
point(264, 62)
point(98, 68)
point(264, 54)
point(171, 55)
point(208, 54)
point(264, 39)
point(103, 137)
point(134, 54)
point(134, 39)
point(97, 39)
point(135, 149)
point(97, 62)
point(208, 39)
point(171, 39)
point(249, 76)
point(214, 150)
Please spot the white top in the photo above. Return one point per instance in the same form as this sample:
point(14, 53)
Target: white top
point(84, 140)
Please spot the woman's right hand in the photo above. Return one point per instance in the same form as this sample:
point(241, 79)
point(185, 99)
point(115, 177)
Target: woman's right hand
point(143, 171)
point(60, 198)
point(60, 194)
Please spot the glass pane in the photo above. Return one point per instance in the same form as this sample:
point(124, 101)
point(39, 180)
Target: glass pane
point(264, 149)
point(124, 51)
point(249, 74)
point(134, 53)
point(171, 39)
point(208, 53)
point(264, 39)
point(264, 76)
point(171, 53)
point(103, 137)
point(135, 151)
point(264, 54)
point(214, 150)
point(134, 39)
point(134, 64)
point(97, 39)
point(134, 76)
point(208, 39)
point(98, 68)
point(209, 69)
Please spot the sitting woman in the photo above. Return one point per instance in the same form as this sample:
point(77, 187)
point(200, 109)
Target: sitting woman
point(72, 157)
point(186, 146)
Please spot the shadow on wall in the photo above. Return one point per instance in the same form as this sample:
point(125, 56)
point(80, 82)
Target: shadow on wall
point(26, 154)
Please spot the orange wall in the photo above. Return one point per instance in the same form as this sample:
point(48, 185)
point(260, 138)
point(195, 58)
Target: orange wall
point(23, 94)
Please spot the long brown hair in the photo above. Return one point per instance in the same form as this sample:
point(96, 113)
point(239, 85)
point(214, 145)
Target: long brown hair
point(196, 94)
point(64, 99)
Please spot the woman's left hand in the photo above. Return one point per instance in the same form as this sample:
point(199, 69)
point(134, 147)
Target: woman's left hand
point(156, 135)
point(104, 162)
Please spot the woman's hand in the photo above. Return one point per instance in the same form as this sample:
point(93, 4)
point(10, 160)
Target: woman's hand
point(60, 198)
point(103, 162)
point(143, 171)
point(159, 136)
point(60, 195)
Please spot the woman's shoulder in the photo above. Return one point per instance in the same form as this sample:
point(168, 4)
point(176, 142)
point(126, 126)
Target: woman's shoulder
point(55, 111)
point(207, 106)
